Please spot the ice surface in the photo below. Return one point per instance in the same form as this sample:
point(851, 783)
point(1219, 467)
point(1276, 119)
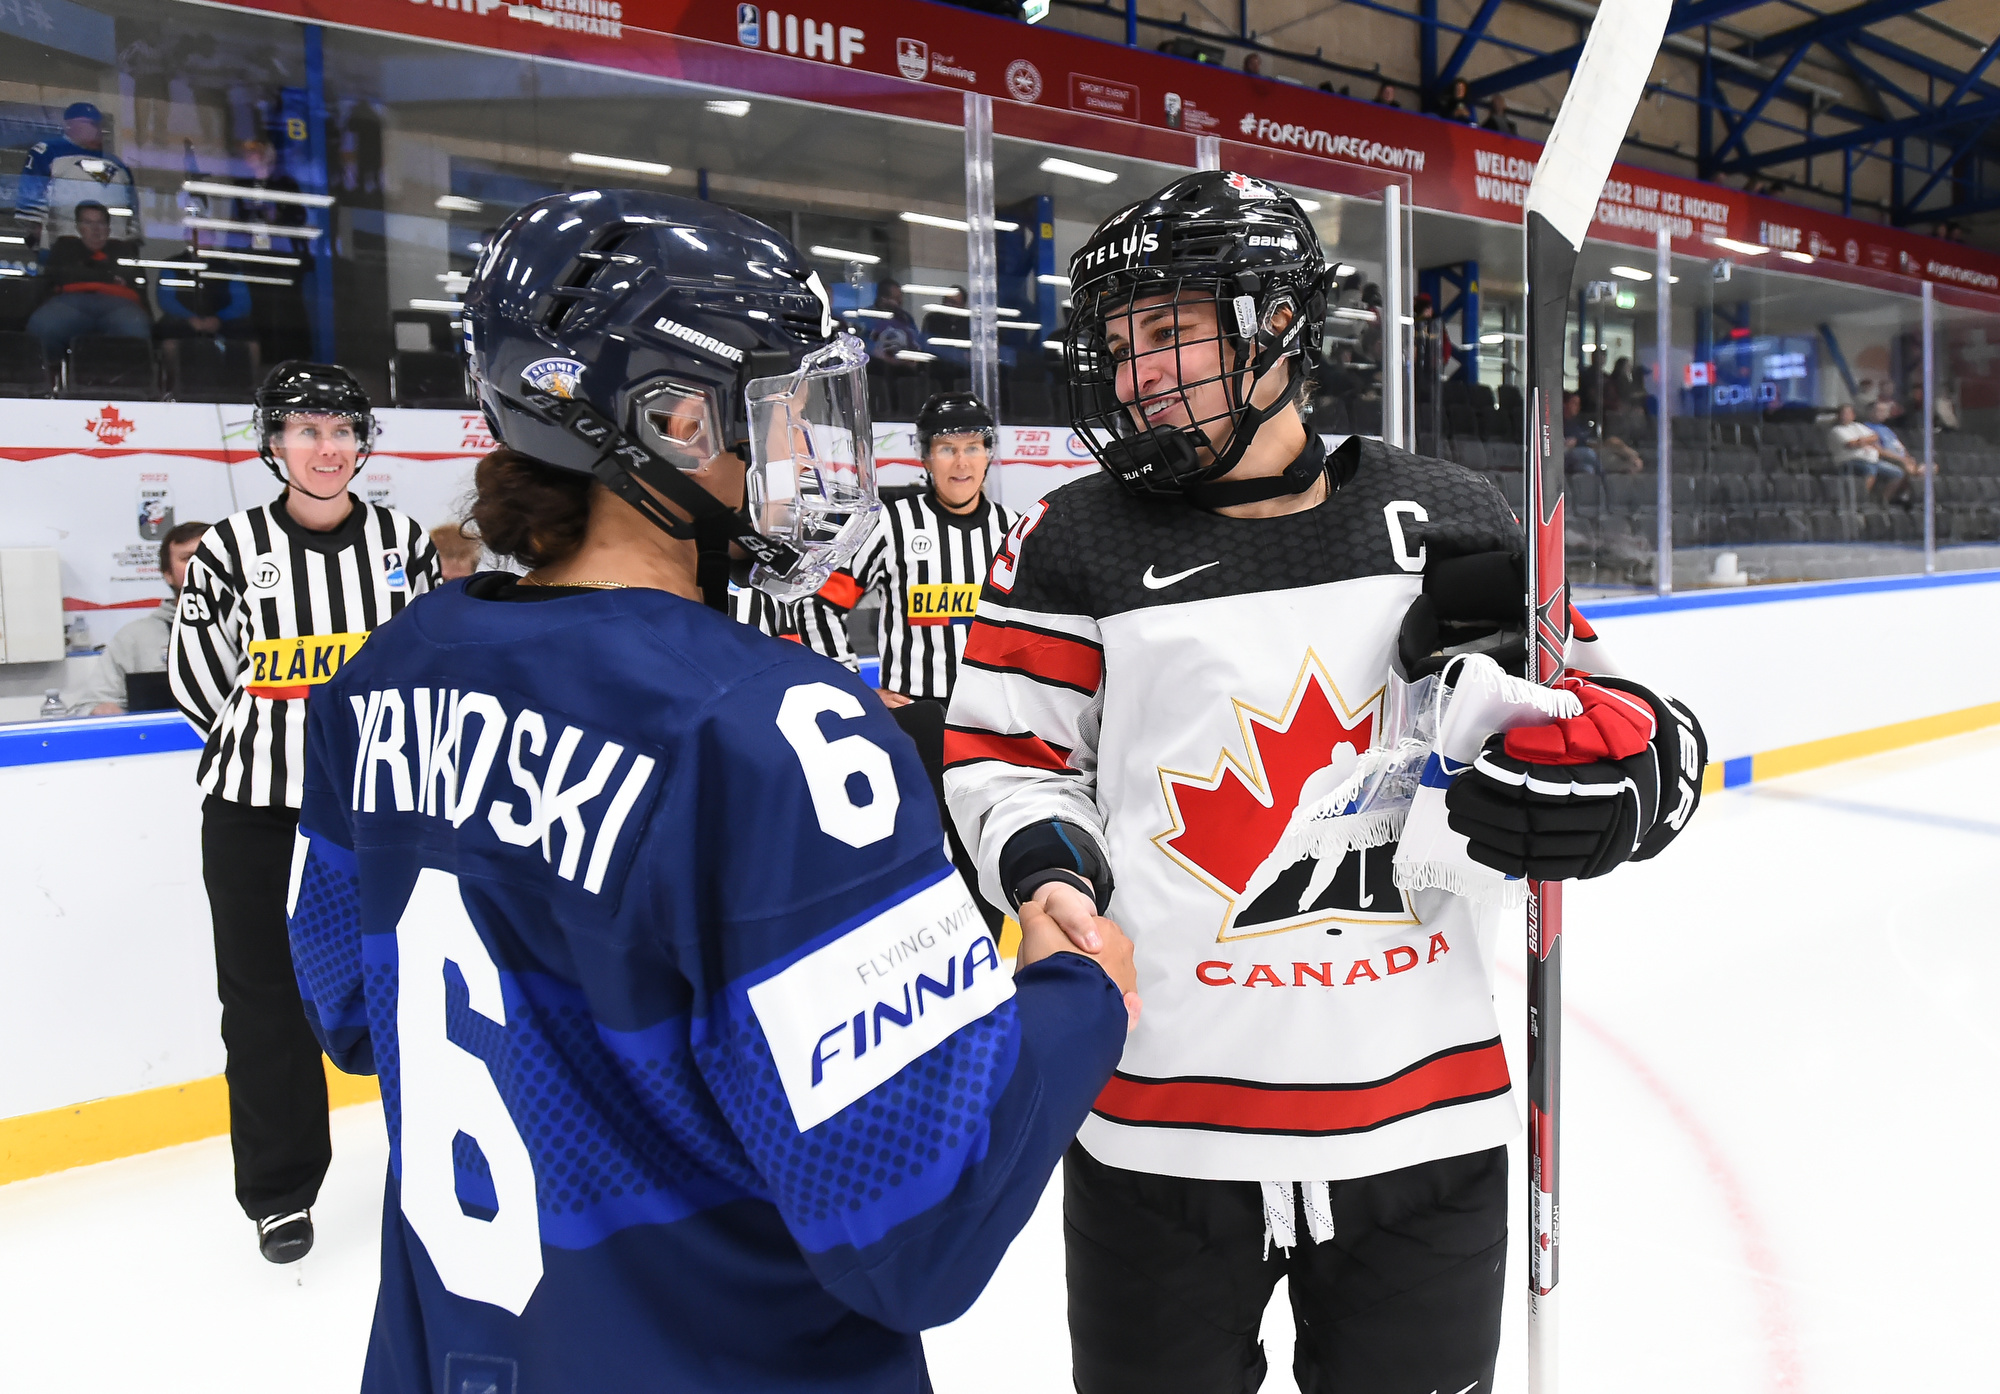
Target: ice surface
point(1778, 1118)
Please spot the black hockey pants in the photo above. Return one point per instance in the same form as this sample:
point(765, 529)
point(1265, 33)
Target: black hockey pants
point(277, 1085)
point(1168, 1281)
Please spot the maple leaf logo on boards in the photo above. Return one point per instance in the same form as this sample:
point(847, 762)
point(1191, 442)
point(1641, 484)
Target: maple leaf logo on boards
point(1225, 825)
point(109, 427)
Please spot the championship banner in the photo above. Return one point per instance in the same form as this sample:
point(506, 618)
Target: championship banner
point(903, 58)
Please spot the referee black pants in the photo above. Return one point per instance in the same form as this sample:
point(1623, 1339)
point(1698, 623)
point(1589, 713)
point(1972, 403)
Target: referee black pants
point(1168, 1281)
point(277, 1086)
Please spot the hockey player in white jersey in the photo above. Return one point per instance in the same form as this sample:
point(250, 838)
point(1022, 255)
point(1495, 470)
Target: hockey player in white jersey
point(1169, 659)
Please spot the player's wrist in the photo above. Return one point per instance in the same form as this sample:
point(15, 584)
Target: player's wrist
point(1051, 846)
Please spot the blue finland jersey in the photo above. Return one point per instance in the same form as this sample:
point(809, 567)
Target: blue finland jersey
point(700, 1068)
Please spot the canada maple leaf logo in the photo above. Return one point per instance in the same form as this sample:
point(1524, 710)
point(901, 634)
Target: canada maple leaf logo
point(1226, 825)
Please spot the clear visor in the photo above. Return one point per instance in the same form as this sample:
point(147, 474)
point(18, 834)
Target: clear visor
point(812, 465)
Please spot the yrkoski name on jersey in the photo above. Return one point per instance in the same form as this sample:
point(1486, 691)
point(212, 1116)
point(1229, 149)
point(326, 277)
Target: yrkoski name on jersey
point(433, 751)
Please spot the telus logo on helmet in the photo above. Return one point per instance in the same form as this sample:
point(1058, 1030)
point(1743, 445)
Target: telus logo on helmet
point(1135, 244)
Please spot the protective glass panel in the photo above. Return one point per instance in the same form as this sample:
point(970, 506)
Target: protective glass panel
point(1965, 429)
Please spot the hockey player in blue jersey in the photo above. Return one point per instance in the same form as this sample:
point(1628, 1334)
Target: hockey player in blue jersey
point(700, 1069)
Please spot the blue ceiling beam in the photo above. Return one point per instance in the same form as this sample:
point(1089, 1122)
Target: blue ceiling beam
point(1685, 16)
point(1474, 32)
point(1910, 209)
point(1918, 62)
point(1831, 26)
point(1920, 125)
point(1741, 127)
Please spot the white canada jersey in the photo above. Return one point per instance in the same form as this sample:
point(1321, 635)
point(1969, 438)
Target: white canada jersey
point(928, 565)
point(1176, 683)
point(269, 612)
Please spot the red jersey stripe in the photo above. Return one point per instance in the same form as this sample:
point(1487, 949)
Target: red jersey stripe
point(1037, 652)
point(1457, 1076)
point(963, 747)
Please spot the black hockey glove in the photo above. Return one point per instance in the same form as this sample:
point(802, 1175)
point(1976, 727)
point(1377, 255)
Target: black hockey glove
point(1475, 600)
point(1577, 797)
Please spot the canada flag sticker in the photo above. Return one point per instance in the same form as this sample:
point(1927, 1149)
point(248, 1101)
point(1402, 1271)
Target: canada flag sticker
point(1227, 826)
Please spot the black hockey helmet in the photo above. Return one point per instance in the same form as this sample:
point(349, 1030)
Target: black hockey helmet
point(298, 388)
point(1220, 238)
point(951, 414)
point(634, 336)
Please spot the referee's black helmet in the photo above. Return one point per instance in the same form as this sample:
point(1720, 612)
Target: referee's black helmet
point(298, 388)
point(952, 414)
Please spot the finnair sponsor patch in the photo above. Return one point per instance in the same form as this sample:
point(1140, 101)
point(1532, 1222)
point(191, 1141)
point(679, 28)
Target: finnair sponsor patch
point(849, 1016)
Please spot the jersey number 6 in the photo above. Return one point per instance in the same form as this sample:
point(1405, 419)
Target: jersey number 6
point(832, 767)
point(447, 1090)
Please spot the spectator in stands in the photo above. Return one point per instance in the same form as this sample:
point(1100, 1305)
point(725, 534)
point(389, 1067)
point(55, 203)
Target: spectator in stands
point(458, 554)
point(1253, 64)
point(898, 331)
point(1456, 105)
point(1621, 388)
point(1856, 450)
point(66, 173)
point(1579, 439)
point(141, 646)
point(1891, 448)
point(88, 291)
point(1371, 333)
point(1497, 118)
point(210, 309)
point(1590, 384)
point(1588, 450)
point(1385, 95)
point(278, 311)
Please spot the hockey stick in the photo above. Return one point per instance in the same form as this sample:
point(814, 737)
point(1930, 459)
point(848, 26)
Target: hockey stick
point(1596, 112)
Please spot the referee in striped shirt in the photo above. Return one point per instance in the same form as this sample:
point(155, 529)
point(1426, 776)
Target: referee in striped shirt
point(927, 558)
point(276, 598)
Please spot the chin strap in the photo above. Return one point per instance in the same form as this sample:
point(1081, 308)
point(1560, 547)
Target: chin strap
point(1300, 475)
point(711, 567)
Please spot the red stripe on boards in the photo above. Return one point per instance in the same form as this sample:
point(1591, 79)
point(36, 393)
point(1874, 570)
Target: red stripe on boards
point(1035, 653)
point(1459, 1076)
point(962, 747)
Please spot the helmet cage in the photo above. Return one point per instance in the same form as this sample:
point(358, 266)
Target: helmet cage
point(1249, 346)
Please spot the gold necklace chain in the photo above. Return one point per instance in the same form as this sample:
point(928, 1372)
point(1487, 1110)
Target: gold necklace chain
point(589, 585)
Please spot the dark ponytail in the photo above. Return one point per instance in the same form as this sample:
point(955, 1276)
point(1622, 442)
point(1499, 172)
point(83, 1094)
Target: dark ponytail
point(532, 512)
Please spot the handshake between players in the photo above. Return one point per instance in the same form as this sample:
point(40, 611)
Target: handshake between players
point(701, 1068)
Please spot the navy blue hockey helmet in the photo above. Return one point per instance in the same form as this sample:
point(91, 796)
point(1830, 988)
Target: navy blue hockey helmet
point(635, 336)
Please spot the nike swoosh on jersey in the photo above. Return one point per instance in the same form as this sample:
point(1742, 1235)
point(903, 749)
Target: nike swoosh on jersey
point(1154, 583)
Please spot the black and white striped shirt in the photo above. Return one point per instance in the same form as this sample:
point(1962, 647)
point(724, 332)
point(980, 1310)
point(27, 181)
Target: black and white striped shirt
point(928, 565)
point(748, 605)
point(271, 610)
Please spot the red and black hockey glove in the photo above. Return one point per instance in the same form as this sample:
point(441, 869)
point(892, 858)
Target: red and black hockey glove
point(1579, 796)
